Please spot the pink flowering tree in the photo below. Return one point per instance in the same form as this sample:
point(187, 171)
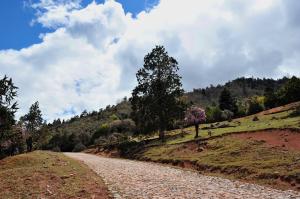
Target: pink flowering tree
point(195, 116)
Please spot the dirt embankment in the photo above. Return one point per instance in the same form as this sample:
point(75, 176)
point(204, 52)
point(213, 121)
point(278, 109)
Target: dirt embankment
point(282, 139)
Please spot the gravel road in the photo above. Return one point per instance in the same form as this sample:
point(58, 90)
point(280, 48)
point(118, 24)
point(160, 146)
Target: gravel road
point(134, 179)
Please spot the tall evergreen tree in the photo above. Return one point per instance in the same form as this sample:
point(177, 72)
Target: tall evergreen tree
point(8, 107)
point(156, 99)
point(227, 102)
point(33, 121)
point(290, 91)
point(271, 100)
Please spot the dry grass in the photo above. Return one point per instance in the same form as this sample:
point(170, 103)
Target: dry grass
point(48, 175)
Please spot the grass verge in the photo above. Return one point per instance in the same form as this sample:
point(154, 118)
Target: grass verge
point(246, 160)
point(43, 174)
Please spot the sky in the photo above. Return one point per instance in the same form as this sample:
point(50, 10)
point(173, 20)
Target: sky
point(75, 55)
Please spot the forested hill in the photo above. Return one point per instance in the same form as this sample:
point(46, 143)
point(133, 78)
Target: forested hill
point(241, 88)
point(88, 126)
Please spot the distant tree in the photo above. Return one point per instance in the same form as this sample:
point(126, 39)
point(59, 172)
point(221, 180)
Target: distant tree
point(254, 106)
point(195, 116)
point(156, 100)
point(271, 99)
point(33, 121)
point(84, 113)
point(8, 107)
point(227, 102)
point(290, 91)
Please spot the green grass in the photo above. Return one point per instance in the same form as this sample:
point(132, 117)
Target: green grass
point(248, 160)
point(233, 158)
point(270, 121)
point(48, 175)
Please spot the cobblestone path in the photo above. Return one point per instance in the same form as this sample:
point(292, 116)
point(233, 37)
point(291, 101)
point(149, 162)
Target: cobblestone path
point(134, 179)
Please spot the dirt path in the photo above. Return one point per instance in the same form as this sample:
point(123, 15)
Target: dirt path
point(133, 179)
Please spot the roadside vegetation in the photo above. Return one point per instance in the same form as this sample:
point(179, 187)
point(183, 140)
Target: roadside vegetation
point(48, 175)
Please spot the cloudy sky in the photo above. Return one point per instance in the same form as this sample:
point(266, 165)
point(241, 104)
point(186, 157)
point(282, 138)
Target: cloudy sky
point(72, 55)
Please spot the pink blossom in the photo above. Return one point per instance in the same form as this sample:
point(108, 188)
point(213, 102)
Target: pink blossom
point(195, 115)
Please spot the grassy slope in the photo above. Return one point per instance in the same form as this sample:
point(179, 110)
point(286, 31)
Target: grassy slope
point(242, 159)
point(277, 119)
point(48, 175)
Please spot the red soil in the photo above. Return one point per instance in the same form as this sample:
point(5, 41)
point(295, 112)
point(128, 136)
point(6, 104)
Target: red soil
point(284, 139)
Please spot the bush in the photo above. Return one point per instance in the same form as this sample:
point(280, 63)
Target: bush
point(56, 149)
point(255, 118)
point(254, 106)
point(102, 131)
point(113, 117)
point(296, 112)
point(227, 115)
point(128, 146)
point(289, 92)
point(122, 126)
point(79, 147)
point(213, 114)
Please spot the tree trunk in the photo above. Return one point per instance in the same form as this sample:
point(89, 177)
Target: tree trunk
point(162, 135)
point(181, 130)
point(197, 130)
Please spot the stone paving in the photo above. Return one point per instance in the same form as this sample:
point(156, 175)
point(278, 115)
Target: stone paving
point(134, 179)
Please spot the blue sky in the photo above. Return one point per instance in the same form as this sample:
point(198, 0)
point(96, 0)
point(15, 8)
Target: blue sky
point(16, 31)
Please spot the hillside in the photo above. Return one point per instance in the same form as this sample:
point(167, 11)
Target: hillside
point(241, 88)
point(86, 127)
point(48, 175)
point(264, 150)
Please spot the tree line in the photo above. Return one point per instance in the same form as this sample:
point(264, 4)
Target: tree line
point(157, 104)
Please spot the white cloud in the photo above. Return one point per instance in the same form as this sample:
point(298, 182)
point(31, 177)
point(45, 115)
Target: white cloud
point(91, 58)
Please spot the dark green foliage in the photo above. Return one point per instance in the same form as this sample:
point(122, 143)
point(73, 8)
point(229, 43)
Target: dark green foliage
point(10, 140)
point(296, 112)
point(241, 88)
point(155, 100)
point(8, 107)
point(271, 99)
point(227, 115)
point(289, 92)
point(254, 106)
point(215, 114)
point(6, 122)
point(33, 122)
point(33, 119)
point(102, 131)
point(122, 126)
point(227, 102)
point(79, 147)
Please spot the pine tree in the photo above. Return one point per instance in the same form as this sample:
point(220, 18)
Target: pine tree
point(33, 121)
point(227, 102)
point(156, 99)
point(8, 107)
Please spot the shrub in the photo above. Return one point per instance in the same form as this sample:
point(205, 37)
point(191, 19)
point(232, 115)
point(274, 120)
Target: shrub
point(102, 131)
point(122, 126)
point(296, 112)
point(254, 106)
point(213, 114)
point(255, 118)
point(56, 149)
point(113, 117)
point(79, 147)
point(227, 115)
